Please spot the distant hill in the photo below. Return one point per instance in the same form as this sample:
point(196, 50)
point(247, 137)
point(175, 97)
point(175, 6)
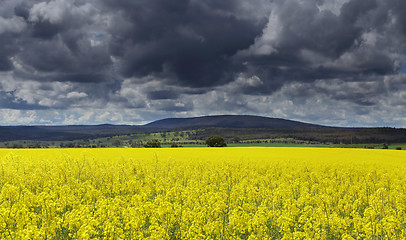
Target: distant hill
point(228, 121)
point(64, 133)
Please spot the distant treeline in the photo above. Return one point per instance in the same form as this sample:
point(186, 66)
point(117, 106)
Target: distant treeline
point(321, 135)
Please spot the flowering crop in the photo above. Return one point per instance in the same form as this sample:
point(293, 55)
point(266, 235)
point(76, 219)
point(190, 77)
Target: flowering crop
point(203, 193)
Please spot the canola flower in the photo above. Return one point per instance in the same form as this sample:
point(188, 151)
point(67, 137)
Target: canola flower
point(203, 193)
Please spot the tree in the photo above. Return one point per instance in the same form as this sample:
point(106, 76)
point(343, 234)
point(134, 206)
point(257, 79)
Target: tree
point(135, 144)
point(154, 143)
point(235, 139)
point(116, 142)
point(215, 141)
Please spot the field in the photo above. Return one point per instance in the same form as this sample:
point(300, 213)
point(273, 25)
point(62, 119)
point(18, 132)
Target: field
point(203, 193)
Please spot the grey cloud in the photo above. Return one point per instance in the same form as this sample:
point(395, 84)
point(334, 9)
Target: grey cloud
point(5, 63)
point(57, 44)
point(10, 29)
point(8, 100)
point(46, 30)
point(53, 17)
point(321, 31)
point(188, 41)
point(7, 52)
point(22, 10)
point(398, 7)
point(13, 25)
point(304, 43)
point(67, 60)
point(173, 106)
point(162, 94)
point(359, 93)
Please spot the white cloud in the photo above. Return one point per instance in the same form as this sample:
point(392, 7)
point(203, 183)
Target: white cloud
point(253, 81)
point(266, 44)
point(76, 95)
point(18, 117)
point(333, 6)
point(52, 11)
point(56, 11)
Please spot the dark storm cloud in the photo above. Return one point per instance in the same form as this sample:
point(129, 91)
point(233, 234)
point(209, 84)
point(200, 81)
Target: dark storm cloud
point(360, 93)
point(186, 40)
point(46, 30)
point(397, 8)
point(5, 63)
point(10, 29)
point(309, 44)
point(80, 63)
point(22, 10)
point(306, 27)
point(56, 43)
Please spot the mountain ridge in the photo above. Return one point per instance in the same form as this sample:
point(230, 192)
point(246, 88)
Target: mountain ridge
point(229, 121)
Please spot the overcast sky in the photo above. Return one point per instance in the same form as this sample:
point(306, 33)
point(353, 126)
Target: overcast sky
point(331, 62)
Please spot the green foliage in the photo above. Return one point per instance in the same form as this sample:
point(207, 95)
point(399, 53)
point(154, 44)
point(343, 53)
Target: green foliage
point(175, 145)
point(116, 142)
point(153, 143)
point(215, 141)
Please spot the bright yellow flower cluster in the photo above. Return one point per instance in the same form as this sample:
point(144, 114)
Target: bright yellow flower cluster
point(203, 193)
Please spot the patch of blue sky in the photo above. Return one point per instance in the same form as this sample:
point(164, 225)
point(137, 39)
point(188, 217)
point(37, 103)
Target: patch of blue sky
point(97, 38)
point(103, 36)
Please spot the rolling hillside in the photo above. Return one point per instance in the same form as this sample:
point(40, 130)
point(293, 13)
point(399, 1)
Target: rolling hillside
point(228, 121)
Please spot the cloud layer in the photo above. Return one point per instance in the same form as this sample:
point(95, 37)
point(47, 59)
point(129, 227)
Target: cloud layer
point(339, 62)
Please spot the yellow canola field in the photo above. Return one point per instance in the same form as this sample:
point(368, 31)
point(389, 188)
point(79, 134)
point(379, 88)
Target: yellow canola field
point(203, 193)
